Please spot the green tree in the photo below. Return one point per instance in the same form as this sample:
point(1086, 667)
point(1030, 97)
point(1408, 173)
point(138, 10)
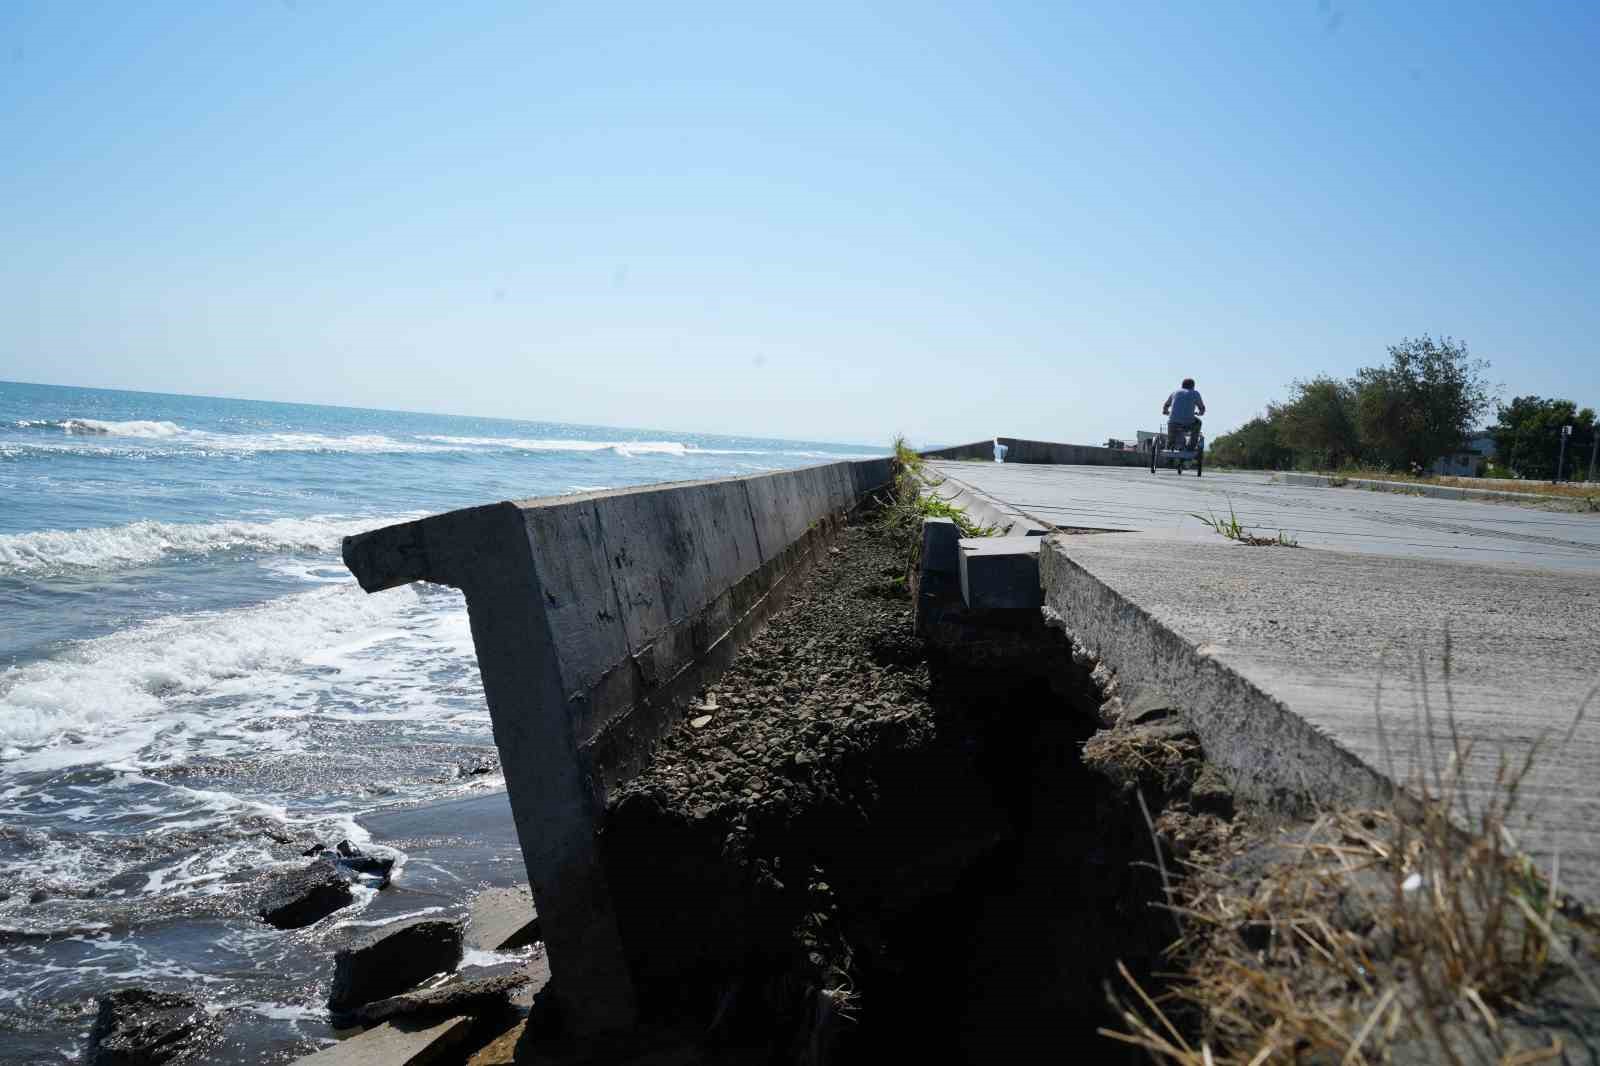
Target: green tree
point(1527, 436)
point(1254, 445)
point(1422, 404)
point(1319, 422)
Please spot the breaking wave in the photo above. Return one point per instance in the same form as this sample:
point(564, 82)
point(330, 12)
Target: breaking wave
point(233, 682)
point(94, 427)
point(56, 551)
point(521, 444)
point(147, 438)
point(627, 449)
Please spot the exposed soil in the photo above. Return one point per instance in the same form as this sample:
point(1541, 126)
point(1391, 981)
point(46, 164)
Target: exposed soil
point(854, 847)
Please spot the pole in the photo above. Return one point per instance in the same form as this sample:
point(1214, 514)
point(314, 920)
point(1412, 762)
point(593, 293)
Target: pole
point(1561, 460)
point(1594, 446)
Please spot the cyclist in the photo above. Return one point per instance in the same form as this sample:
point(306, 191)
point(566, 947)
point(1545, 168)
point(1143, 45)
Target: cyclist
point(1183, 409)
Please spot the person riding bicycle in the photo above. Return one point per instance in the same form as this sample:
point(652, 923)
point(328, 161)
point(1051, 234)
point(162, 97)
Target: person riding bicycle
point(1182, 409)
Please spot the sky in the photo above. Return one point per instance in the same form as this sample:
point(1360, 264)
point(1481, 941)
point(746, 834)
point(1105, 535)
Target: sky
point(817, 221)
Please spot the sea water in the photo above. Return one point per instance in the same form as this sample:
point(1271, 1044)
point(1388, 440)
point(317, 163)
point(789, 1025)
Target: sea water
point(191, 684)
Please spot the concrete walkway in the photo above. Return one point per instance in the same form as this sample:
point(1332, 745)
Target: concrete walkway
point(1347, 519)
point(1322, 671)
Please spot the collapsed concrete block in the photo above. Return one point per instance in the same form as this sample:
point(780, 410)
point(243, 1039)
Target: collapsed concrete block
point(502, 919)
point(941, 553)
point(139, 1027)
point(397, 1043)
point(1000, 572)
point(393, 959)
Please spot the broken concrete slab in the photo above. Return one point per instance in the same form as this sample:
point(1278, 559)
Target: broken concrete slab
point(941, 551)
point(393, 959)
point(303, 897)
point(138, 1026)
point(1330, 677)
point(468, 995)
point(502, 919)
point(1000, 572)
point(397, 1043)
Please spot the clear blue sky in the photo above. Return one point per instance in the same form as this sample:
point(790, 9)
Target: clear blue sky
point(804, 220)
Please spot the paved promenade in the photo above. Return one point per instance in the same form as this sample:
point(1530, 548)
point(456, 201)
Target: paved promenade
point(1323, 670)
point(1357, 520)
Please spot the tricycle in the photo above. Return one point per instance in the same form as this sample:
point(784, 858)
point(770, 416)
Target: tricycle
point(1178, 446)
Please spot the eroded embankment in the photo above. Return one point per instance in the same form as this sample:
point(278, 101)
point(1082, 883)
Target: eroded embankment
point(861, 845)
point(856, 847)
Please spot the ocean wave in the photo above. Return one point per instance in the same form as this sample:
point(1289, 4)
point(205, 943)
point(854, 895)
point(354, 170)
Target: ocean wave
point(55, 551)
point(522, 444)
point(97, 428)
point(168, 438)
point(627, 449)
point(360, 443)
point(229, 683)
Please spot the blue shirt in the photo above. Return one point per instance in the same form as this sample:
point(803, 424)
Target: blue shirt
point(1183, 403)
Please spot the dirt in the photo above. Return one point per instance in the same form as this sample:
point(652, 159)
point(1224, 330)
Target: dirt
point(854, 846)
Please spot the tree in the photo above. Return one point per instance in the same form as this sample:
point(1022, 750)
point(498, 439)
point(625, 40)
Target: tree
point(1319, 422)
point(1527, 436)
point(1422, 404)
point(1254, 445)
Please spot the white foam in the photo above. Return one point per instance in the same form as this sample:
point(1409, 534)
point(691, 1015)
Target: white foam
point(287, 1012)
point(361, 443)
point(627, 449)
point(95, 427)
point(481, 957)
point(391, 919)
point(142, 543)
point(104, 699)
point(174, 439)
point(167, 438)
point(630, 449)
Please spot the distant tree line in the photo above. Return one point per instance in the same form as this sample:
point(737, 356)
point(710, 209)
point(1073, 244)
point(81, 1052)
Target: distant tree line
point(1527, 438)
point(1403, 415)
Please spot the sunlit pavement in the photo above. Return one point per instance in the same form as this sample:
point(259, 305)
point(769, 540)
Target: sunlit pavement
point(1346, 519)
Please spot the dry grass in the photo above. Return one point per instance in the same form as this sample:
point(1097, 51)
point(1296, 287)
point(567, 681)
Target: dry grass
point(1561, 490)
point(1118, 752)
point(1416, 933)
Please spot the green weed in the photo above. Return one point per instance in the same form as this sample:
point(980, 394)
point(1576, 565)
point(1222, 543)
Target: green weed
point(1231, 528)
point(901, 513)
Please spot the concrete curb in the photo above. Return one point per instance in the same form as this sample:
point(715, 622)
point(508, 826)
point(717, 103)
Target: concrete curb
point(1270, 754)
point(982, 509)
point(1408, 488)
point(1349, 679)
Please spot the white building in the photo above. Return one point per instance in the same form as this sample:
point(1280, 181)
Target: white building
point(1464, 461)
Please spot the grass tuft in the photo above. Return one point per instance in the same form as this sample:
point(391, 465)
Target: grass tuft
point(1417, 932)
point(1230, 527)
point(901, 513)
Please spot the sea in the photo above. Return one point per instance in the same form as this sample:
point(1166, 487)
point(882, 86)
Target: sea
point(193, 689)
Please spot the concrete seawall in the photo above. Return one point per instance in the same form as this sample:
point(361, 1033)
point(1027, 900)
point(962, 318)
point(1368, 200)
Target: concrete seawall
point(595, 618)
point(1039, 451)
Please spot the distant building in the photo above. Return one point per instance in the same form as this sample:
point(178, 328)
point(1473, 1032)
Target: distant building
point(1467, 460)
